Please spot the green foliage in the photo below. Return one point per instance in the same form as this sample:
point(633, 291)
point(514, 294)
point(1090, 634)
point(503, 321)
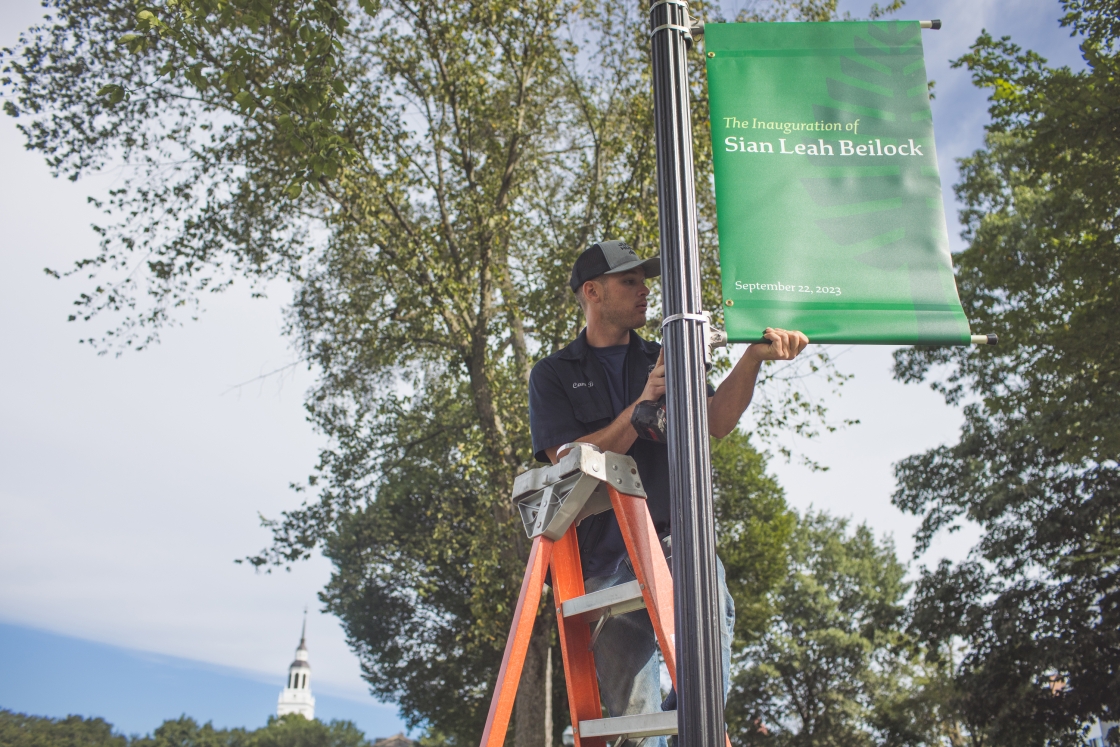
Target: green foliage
point(288, 85)
point(20, 730)
point(296, 731)
point(753, 527)
point(917, 702)
point(422, 553)
point(833, 648)
point(185, 732)
point(1038, 604)
point(808, 10)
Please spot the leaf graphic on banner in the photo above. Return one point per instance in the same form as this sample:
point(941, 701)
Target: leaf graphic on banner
point(902, 209)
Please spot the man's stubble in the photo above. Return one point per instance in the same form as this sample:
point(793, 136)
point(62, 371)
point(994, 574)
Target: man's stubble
point(620, 316)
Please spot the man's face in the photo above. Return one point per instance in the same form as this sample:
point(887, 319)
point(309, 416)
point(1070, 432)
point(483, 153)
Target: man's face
point(624, 298)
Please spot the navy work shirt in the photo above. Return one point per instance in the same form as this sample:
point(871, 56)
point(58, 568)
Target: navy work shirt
point(568, 399)
point(613, 360)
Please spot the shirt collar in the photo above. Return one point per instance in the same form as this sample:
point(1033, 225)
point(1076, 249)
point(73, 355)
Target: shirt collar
point(579, 348)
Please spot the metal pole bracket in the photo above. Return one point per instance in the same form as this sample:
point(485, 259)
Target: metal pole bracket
point(714, 337)
point(688, 28)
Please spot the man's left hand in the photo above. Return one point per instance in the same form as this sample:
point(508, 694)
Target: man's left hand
point(783, 346)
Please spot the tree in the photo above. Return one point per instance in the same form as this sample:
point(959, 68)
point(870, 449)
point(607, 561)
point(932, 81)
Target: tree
point(285, 731)
point(185, 732)
point(807, 10)
point(753, 528)
point(832, 656)
point(21, 730)
point(296, 731)
point(1038, 604)
point(423, 174)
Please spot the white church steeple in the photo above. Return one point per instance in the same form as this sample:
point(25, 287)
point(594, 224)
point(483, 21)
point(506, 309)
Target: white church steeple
point(296, 697)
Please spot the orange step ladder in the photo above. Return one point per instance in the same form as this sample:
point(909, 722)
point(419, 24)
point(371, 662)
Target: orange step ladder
point(553, 500)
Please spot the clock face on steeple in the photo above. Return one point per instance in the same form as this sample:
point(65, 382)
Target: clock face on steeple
point(296, 696)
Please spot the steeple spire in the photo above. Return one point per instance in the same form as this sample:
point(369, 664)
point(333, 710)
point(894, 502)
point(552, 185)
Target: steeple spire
point(296, 696)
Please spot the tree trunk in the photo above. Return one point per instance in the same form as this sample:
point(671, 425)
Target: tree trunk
point(531, 714)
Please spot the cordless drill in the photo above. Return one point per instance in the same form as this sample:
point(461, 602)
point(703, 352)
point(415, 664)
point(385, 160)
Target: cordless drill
point(649, 418)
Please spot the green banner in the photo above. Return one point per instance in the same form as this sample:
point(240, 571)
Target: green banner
point(827, 189)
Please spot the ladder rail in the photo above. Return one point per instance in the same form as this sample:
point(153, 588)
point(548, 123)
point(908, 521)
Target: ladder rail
point(517, 645)
point(652, 571)
point(575, 640)
point(648, 560)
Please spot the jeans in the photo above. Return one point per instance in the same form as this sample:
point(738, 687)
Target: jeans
point(626, 653)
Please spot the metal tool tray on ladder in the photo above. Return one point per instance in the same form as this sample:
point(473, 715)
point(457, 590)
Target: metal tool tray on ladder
point(552, 501)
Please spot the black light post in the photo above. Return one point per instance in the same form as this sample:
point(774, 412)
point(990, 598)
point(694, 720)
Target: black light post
point(696, 594)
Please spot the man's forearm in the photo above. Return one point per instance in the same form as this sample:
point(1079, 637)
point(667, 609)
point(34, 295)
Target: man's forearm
point(618, 437)
point(733, 396)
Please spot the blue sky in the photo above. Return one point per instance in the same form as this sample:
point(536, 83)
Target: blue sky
point(129, 485)
point(46, 673)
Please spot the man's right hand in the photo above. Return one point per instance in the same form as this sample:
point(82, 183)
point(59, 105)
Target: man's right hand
point(655, 384)
point(780, 345)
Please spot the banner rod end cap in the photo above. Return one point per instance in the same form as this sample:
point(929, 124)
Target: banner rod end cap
point(935, 24)
point(985, 339)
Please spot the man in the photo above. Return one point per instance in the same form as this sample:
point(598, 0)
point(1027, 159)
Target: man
point(587, 392)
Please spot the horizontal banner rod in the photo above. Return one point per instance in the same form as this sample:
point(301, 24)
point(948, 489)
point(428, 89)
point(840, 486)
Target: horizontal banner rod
point(973, 340)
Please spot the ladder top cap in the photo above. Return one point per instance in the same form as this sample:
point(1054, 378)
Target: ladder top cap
point(580, 457)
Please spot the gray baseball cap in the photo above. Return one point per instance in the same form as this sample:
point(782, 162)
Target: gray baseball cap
point(609, 258)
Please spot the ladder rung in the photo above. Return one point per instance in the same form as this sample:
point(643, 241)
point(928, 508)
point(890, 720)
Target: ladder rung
point(617, 599)
point(633, 727)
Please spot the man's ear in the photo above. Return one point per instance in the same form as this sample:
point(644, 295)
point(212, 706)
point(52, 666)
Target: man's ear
point(592, 292)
